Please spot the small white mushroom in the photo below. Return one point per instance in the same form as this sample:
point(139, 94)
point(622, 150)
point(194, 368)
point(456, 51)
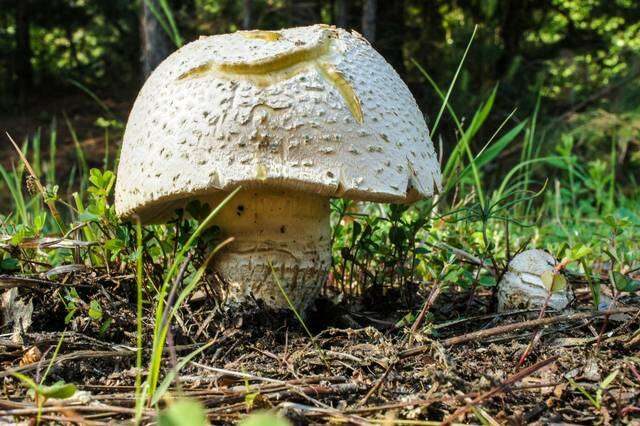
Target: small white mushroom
point(307, 92)
point(527, 283)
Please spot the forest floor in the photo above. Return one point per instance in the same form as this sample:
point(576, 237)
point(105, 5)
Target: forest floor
point(363, 366)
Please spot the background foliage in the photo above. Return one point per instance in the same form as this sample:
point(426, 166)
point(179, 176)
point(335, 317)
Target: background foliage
point(573, 53)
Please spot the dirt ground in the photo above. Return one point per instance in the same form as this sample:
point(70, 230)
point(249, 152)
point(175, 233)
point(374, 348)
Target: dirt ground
point(364, 366)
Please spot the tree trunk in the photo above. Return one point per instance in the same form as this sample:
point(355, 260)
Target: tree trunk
point(391, 32)
point(73, 50)
point(511, 32)
point(304, 12)
point(342, 13)
point(155, 43)
point(23, 68)
point(369, 8)
point(247, 16)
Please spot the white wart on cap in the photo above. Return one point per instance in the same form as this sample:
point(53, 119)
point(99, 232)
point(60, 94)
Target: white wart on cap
point(309, 113)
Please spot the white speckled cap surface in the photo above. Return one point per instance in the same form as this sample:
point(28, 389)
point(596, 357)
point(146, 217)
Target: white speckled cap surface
point(314, 109)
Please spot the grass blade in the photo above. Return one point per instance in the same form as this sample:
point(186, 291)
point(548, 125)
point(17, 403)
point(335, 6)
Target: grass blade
point(453, 82)
point(159, 336)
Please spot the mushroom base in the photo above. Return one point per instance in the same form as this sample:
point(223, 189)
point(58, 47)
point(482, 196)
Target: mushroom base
point(281, 233)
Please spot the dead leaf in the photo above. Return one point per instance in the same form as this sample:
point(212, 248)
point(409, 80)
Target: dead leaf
point(559, 390)
point(32, 356)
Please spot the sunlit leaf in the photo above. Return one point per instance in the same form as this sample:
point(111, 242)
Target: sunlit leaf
point(184, 412)
point(553, 281)
point(264, 418)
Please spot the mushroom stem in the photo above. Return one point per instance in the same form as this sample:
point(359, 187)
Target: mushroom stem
point(283, 229)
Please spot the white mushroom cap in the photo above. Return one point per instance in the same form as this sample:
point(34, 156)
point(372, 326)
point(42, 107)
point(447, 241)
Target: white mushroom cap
point(312, 109)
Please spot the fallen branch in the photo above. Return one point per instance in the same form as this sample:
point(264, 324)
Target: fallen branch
point(501, 387)
point(10, 281)
point(435, 291)
point(31, 410)
point(376, 386)
point(45, 243)
point(525, 325)
point(69, 357)
point(330, 413)
point(237, 401)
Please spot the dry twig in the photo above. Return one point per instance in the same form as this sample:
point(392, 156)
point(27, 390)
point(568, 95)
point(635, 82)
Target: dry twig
point(481, 334)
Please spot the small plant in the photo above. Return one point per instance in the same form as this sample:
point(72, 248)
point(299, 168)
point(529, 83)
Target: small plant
point(41, 392)
point(596, 400)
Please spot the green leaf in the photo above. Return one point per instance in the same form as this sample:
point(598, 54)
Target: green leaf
point(88, 217)
point(51, 193)
point(70, 315)
point(610, 220)
point(184, 412)
point(249, 399)
point(487, 281)
point(264, 418)
point(9, 264)
point(624, 283)
point(553, 281)
point(422, 250)
point(453, 276)
point(95, 310)
point(584, 392)
point(611, 255)
point(28, 381)
point(604, 385)
point(114, 244)
point(609, 379)
point(632, 286)
point(98, 179)
point(406, 320)
point(105, 326)
point(39, 221)
point(579, 252)
point(58, 390)
point(493, 150)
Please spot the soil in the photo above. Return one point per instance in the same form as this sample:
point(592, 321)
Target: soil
point(361, 368)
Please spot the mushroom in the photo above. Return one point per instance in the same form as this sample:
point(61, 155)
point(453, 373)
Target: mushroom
point(528, 281)
point(295, 117)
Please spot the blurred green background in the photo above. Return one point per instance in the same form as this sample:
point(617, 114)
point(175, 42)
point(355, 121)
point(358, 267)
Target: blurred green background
point(579, 59)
